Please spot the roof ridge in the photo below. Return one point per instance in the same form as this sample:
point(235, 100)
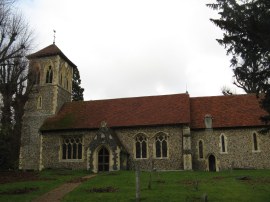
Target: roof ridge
point(216, 96)
point(138, 97)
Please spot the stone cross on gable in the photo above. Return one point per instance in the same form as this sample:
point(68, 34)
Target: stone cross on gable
point(103, 124)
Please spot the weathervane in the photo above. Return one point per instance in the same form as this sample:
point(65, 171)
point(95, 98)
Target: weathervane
point(186, 89)
point(54, 36)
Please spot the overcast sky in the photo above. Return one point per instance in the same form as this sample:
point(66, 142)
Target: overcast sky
point(130, 48)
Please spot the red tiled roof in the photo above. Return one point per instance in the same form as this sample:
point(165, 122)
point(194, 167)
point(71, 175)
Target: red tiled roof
point(139, 111)
point(50, 50)
point(227, 111)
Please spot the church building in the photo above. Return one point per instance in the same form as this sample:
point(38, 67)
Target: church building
point(166, 132)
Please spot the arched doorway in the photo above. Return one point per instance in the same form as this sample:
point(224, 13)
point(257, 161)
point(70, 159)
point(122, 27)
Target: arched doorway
point(212, 163)
point(103, 160)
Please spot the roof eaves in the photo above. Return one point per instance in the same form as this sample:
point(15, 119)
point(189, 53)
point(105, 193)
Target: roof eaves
point(48, 51)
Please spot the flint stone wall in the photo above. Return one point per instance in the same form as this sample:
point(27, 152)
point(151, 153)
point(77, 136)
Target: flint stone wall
point(175, 155)
point(51, 148)
point(240, 152)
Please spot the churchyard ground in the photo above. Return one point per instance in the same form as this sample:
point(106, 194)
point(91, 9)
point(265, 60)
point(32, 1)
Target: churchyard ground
point(234, 185)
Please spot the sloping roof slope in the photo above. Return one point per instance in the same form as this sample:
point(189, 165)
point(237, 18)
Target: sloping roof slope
point(50, 50)
point(125, 112)
point(227, 111)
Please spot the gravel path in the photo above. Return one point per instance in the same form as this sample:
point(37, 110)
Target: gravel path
point(58, 193)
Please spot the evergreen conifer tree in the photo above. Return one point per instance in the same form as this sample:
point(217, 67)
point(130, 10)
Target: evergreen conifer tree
point(77, 90)
point(246, 26)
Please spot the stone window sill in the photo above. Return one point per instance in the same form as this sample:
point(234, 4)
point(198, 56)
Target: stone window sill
point(160, 158)
point(71, 160)
point(140, 159)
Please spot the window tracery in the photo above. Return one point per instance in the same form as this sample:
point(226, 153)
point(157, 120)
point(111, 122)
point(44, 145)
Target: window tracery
point(140, 146)
point(72, 148)
point(49, 75)
point(161, 145)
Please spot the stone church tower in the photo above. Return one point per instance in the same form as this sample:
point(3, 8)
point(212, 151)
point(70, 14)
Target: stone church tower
point(52, 88)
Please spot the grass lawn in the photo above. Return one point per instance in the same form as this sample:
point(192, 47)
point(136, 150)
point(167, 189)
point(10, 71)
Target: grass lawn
point(25, 190)
point(237, 185)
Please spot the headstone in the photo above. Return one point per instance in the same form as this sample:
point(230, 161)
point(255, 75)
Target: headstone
point(204, 197)
point(138, 191)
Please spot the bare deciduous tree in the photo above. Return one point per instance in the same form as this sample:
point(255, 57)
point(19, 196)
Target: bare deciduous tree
point(15, 42)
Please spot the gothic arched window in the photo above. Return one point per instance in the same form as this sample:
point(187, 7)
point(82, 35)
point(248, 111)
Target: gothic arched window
point(49, 75)
point(72, 148)
point(141, 146)
point(161, 145)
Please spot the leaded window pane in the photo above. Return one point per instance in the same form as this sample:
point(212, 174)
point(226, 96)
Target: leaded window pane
point(200, 149)
point(255, 142)
point(69, 151)
point(49, 75)
point(144, 150)
point(64, 151)
point(161, 146)
point(223, 143)
point(74, 151)
point(79, 151)
point(164, 148)
point(158, 151)
point(72, 148)
point(141, 146)
point(138, 150)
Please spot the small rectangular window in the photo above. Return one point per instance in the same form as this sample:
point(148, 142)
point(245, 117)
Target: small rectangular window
point(200, 149)
point(255, 142)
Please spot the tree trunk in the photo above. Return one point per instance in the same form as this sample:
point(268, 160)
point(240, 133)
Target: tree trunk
point(6, 120)
point(18, 106)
